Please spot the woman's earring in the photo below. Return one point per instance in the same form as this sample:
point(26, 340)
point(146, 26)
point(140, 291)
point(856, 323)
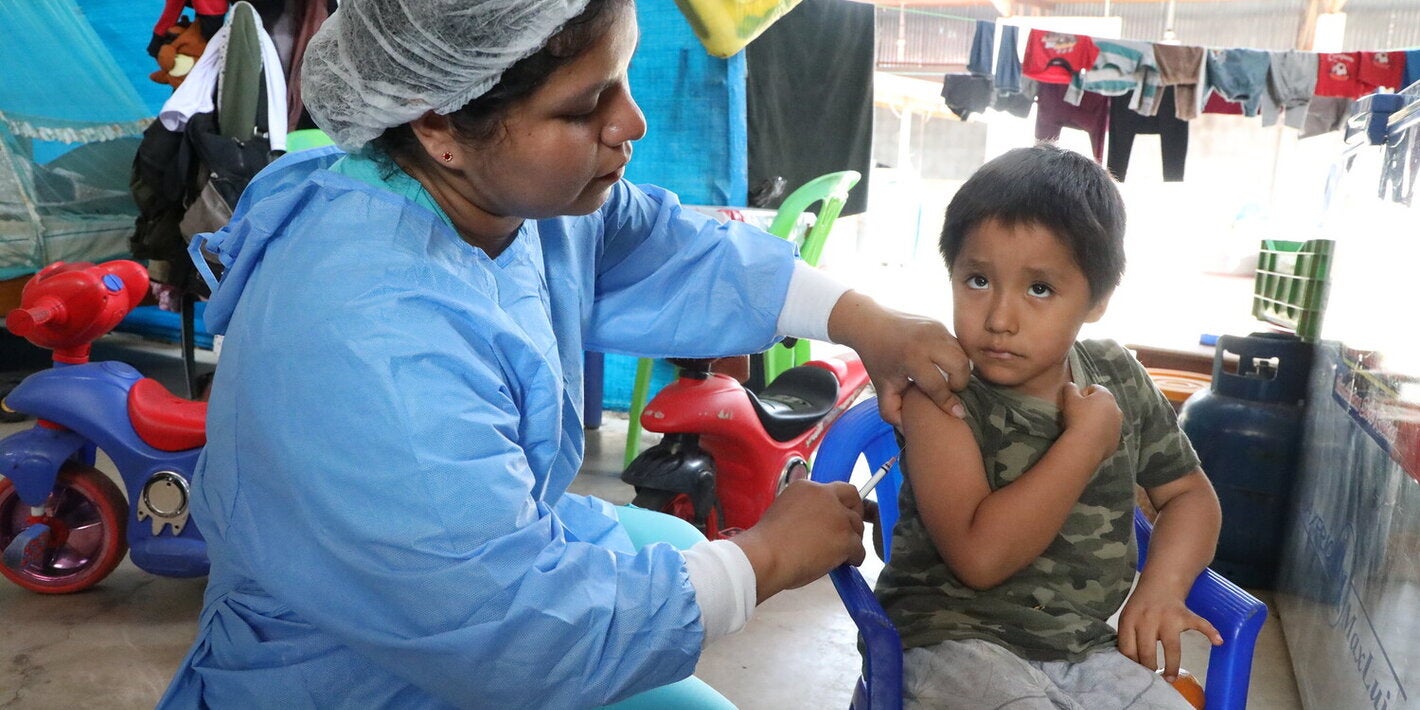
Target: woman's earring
point(448, 157)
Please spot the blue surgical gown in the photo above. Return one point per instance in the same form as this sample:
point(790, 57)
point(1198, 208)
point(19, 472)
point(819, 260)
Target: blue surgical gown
point(395, 420)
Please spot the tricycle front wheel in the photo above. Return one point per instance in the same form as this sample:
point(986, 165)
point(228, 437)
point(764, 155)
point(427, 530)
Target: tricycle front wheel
point(87, 516)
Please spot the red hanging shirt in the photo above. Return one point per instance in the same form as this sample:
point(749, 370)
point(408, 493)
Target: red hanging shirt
point(1054, 57)
point(1381, 69)
point(1336, 75)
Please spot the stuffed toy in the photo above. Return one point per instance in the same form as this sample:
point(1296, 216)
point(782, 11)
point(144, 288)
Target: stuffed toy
point(177, 56)
point(210, 15)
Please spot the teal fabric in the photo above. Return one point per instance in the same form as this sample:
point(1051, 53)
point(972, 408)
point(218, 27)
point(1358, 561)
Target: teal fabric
point(61, 83)
point(369, 171)
point(689, 694)
point(69, 121)
point(124, 27)
point(690, 98)
point(645, 527)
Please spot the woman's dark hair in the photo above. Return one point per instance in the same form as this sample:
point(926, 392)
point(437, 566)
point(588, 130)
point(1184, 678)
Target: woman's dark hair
point(479, 119)
point(1060, 190)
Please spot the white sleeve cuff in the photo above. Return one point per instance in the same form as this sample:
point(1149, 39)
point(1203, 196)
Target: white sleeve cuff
point(724, 585)
point(811, 297)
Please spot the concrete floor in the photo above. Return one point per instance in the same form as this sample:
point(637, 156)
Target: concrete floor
point(115, 646)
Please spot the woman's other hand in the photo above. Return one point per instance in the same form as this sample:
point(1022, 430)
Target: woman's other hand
point(810, 529)
point(901, 349)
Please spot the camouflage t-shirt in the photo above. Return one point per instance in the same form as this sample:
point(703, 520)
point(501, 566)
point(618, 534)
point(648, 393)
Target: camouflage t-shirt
point(1057, 607)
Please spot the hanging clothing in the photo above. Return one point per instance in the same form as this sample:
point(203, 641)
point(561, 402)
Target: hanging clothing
point(312, 16)
point(808, 103)
point(1336, 75)
point(983, 44)
point(1055, 57)
point(1324, 115)
point(1122, 67)
point(387, 513)
point(1182, 68)
point(1054, 113)
point(1016, 103)
point(195, 96)
point(966, 94)
point(1381, 70)
point(1412, 68)
point(1219, 105)
point(1239, 75)
point(1125, 123)
point(1008, 63)
point(1291, 82)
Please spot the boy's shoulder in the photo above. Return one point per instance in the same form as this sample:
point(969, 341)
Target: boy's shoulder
point(1109, 363)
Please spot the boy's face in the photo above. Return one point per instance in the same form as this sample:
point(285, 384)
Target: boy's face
point(1019, 300)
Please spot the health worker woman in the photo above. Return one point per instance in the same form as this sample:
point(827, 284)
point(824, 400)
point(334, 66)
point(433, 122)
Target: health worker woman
point(397, 413)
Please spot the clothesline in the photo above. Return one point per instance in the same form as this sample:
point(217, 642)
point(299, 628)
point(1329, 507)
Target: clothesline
point(1006, 20)
point(1126, 87)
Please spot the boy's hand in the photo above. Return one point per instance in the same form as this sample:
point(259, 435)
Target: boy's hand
point(1092, 416)
point(1153, 617)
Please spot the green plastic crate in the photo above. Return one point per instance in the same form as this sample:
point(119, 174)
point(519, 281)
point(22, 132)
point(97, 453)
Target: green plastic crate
point(1291, 285)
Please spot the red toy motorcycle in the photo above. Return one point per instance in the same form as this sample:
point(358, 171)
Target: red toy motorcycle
point(728, 451)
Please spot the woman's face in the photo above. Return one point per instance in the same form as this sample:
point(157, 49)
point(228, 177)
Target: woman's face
point(561, 149)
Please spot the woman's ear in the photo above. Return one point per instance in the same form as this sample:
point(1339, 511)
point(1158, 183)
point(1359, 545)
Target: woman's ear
point(436, 135)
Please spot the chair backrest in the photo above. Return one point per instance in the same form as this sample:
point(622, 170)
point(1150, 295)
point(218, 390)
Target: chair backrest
point(862, 431)
point(831, 189)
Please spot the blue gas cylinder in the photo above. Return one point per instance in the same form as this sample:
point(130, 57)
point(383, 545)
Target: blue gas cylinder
point(1247, 430)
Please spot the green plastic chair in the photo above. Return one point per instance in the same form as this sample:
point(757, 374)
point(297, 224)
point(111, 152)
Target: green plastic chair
point(832, 191)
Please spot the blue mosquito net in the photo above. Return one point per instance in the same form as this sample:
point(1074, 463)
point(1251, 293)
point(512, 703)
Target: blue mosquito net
point(70, 122)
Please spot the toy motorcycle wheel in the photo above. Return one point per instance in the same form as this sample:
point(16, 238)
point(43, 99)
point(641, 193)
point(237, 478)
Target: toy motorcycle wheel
point(87, 515)
point(681, 506)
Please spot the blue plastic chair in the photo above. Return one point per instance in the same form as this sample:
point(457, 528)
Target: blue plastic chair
point(1237, 615)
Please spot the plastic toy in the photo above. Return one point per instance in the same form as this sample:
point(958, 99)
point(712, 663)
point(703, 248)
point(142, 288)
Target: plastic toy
point(64, 525)
point(1237, 615)
point(727, 452)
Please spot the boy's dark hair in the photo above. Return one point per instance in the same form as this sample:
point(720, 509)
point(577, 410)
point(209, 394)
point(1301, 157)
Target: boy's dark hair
point(1060, 190)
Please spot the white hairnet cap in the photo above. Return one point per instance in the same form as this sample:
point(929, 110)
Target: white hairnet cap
point(381, 63)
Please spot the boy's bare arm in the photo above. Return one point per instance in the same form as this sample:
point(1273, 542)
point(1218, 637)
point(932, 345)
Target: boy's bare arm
point(985, 536)
point(1185, 537)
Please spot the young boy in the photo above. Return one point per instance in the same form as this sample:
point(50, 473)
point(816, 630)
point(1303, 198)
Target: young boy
point(1016, 538)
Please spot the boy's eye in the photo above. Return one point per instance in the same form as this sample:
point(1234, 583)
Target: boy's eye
point(977, 281)
point(1040, 290)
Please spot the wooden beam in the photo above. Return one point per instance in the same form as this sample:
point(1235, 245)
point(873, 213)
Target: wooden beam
point(1003, 7)
point(1306, 28)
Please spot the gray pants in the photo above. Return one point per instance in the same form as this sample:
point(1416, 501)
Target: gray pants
point(975, 674)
